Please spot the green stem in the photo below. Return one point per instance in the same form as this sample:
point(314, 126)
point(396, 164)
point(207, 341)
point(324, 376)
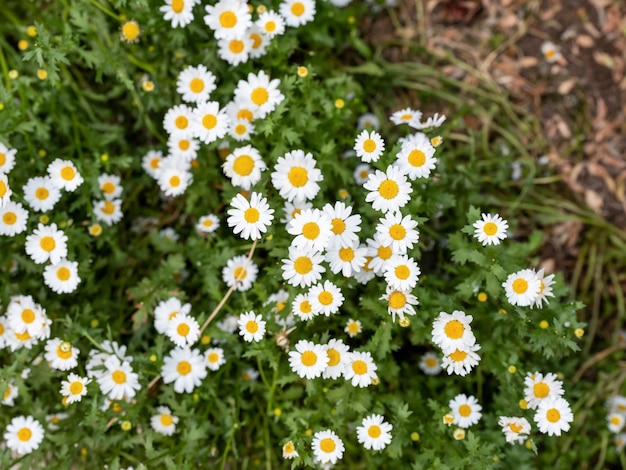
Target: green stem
point(105, 10)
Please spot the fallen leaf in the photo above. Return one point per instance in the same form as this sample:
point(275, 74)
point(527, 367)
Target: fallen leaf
point(594, 201)
point(604, 59)
point(585, 40)
point(567, 86)
point(527, 61)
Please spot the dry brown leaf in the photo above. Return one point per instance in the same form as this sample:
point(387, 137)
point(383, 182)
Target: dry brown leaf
point(604, 59)
point(563, 128)
point(509, 21)
point(584, 40)
point(527, 61)
point(594, 201)
point(567, 86)
point(548, 265)
point(572, 178)
point(591, 29)
point(600, 171)
point(600, 3)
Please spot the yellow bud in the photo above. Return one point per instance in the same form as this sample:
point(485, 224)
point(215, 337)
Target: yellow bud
point(44, 219)
point(404, 322)
point(579, 332)
point(523, 404)
point(206, 339)
point(543, 324)
point(277, 412)
point(22, 44)
point(502, 311)
point(126, 425)
point(104, 157)
point(482, 297)
point(42, 153)
point(147, 86)
point(302, 72)
point(339, 103)
point(351, 19)
point(153, 357)
point(42, 74)
point(308, 432)
point(95, 230)
point(13, 74)
point(94, 323)
point(83, 451)
point(415, 436)
point(512, 369)
point(529, 444)
point(31, 31)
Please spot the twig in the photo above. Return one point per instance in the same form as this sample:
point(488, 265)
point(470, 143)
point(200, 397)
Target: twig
point(596, 358)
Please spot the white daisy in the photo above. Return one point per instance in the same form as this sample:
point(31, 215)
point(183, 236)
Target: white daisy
point(183, 330)
point(260, 41)
point(209, 122)
point(250, 219)
point(545, 289)
point(195, 84)
point(522, 287)
point(182, 149)
point(553, 416)
point(62, 277)
point(452, 331)
point(10, 394)
point(466, 410)
point(164, 422)
point(296, 177)
point(301, 307)
point(64, 175)
point(13, 218)
point(345, 225)
point(312, 230)
point(241, 130)
point(235, 51)
point(406, 116)
point(516, 430)
point(325, 298)
point(388, 190)
point(302, 268)
point(620, 441)
point(177, 121)
point(308, 360)
point(353, 327)
point(369, 146)
point(46, 243)
point(397, 231)
point(228, 19)
point(346, 260)
point(294, 208)
point(41, 194)
point(118, 381)
point(7, 158)
point(416, 157)
point(23, 434)
point(289, 451)
point(399, 302)
point(61, 355)
point(379, 253)
point(251, 326)
point(539, 387)
point(374, 433)
point(214, 358)
point(185, 367)
point(109, 212)
point(366, 273)
point(360, 369)
point(241, 272)
point(430, 364)
point(461, 361)
point(297, 13)
point(491, 229)
point(271, 23)
point(151, 161)
point(368, 120)
point(260, 92)
point(74, 388)
point(362, 173)
point(178, 12)
point(401, 272)
point(338, 356)
point(166, 311)
point(110, 186)
point(208, 223)
point(615, 422)
point(24, 315)
point(550, 52)
point(435, 120)
point(5, 190)
point(173, 178)
point(244, 166)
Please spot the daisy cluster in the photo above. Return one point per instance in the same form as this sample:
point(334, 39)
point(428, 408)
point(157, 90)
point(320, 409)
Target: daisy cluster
point(452, 332)
point(616, 419)
point(528, 288)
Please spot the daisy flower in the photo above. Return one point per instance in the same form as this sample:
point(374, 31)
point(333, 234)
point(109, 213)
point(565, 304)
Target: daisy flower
point(368, 120)
point(297, 13)
point(250, 375)
point(430, 364)
point(46, 243)
point(545, 289)
point(183, 330)
point(353, 327)
point(61, 355)
point(491, 229)
point(244, 167)
point(325, 298)
point(241, 272)
point(166, 311)
point(345, 225)
point(397, 231)
point(260, 92)
point(177, 121)
point(214, 358)
point(461, 361)
point(74, 388)
point(362, 173)
point(416, 157)
point(164, 422)
point(228, 19)
point(522, 288)
point(291, 209)
point(312, 230)
point(295, 176)
point(118, 381)
point(388, 190)
point(182, 149)
point(13, 218)
point(550, 52)
point(553, 416)
point(235, 51)
point(360, 369)
point(64, 175)
point(369, 146)
point(374, 433)
point(208, 223)
point(110, 186)
point(178, 12)
point(25, 315)
point(338, 356)
point(615, 422)
point(466, 410)
point(539, 387)
point(301, 307)
point(327, 447)
point(620, 442)
point(10, 394)
point(379, 253)
point(459, 434)
point(209, 122)
point(401, 272)
point(151, 161)
point(452, 331)
point(250, 219)
point(516, 430)
point(62, 277)
point(251, 326)
point(399, 303)
point(185, 367)
point(308, 360)
point(108, 212)
point(406, 116)
point(260, 41)
point(23, 434)
point(41, 194)
point(241, 130)
point(173, 178)
point(289, 451)
point(302, 268)
point(5, 190)
point(7, 158)
point(271, 23)
point(346, 260)
point(195, 84)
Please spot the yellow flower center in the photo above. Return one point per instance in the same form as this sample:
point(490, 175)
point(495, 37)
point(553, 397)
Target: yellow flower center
point(63, 274)
point(108, 187)
point(402, 272)
point(339, 226)
point(298, 9)
point(397, 232)
point(196, 85)
point(236, 46)
point(305, 306)
point(119, 377)
point(454, 329)
point(359, 367)
point(251, 215)
point(406, 117)
point(520, 286)
point(298, 176)
point(76, 388)
point(374, 431)
point(155, 162)
point(397, 300)
point(252, 326)
point(327, 444)
point(270, 26)
point(209, 121)
point(178, 5)
point(9, 218)
point(213, 357)
point(166, 420)
point(3, 189)
point(353, 327)
point(541, 390)
point(184, 144)
point(47, 243)
point(7, 392)
point(22, 336)
point(465, 410)
point(553, 415)
point(228, 19)
point(369, 145)
point(384, 252)
point(243, 165)
point(108, 208)
point(183, 368)
point(309, 358)
point(41, 194)
point(3, 158)
point(28, 316)
point(431, 362)
point(458, 356)
point(490, 229)
point(68, 173)
point(183, 329)
point(256, 40)
point(130, 31)
point(24, 434)
point(333, 357)
point(346, 254)
point(325, 297)
point(240, 129)
point(207, 223)
point(181, 122)
point(175, 181)
point(417, 158)
point(515, 427)
point(259, 96)
point(388, 189)
point(289, 448)
point(311, 230)
point(240, 273)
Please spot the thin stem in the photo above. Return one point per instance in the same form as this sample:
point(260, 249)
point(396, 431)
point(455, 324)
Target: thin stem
point(104, 9)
